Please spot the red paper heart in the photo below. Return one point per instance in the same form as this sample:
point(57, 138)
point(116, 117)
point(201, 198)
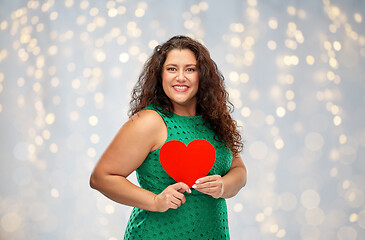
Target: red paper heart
point(187, 163)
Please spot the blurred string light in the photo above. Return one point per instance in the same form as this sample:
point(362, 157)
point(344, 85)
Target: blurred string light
point(61, 74)
point(314, 141)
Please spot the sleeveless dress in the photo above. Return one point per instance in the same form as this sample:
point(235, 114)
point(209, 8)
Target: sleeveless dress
point(201, 216)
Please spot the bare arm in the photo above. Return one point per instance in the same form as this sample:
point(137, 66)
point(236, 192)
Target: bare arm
point(226, 186)
point(142, 134)
point(235, 179)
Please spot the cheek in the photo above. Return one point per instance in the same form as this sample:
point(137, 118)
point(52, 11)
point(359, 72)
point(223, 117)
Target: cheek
point(196, 81)
point(164, 77)
point(164, 83)
point(197, 85)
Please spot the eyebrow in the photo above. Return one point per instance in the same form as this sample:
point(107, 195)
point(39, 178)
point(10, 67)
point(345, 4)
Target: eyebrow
point(187, 65)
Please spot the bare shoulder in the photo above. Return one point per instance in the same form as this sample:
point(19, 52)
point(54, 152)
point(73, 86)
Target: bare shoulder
point(146, 120)
point(147, 114)
point(133, 142)
point(147, 126)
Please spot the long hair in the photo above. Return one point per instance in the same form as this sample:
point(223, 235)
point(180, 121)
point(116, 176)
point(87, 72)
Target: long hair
point(212, 98)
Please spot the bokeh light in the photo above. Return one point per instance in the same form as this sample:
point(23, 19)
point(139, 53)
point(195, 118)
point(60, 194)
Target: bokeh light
point(294, 72)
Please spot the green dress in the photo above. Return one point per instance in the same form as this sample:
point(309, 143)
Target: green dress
point(201, 216)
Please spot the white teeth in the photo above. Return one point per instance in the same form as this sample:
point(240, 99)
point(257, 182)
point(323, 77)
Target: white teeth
point(181, 87)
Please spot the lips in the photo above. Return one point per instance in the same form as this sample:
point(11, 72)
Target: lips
point(180, 88)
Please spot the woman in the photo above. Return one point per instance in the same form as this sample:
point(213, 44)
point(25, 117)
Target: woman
point(179, 96)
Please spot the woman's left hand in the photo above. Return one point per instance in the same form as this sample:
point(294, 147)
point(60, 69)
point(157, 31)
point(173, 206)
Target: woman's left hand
point(211, 185)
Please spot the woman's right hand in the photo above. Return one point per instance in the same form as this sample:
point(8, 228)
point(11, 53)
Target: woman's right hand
point(171, 197)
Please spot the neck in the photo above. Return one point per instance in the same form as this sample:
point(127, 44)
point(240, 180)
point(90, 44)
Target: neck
point(185, 111)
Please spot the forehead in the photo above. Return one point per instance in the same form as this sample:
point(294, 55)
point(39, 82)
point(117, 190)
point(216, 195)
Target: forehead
point(180, 56)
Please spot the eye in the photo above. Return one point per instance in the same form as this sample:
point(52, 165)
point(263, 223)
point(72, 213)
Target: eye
point(171, 69)
point(190, 69)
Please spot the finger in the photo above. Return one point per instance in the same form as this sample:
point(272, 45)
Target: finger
point(205, 185)
point(175, 197)
point(216, 193)
point(173, 205)
point(180, 196)
point(207, 179)
point(175, 202)
point(178, 200)
point(181, 187)
point(205, 191)
point(181, 190)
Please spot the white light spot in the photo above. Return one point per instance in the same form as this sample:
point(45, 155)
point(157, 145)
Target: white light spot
point(280, 112)
point(123, 57)
point(50, 118)
point(238, 207)
point(279, 143)
point(55, 193)
point(10, 222)
point(109, 209)
point(93, 120)
point(245, 112)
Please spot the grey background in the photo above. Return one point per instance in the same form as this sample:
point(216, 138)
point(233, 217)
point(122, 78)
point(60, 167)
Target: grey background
point(294, 71)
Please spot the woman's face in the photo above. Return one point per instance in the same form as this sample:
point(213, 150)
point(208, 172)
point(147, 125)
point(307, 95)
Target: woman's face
point(180, 78)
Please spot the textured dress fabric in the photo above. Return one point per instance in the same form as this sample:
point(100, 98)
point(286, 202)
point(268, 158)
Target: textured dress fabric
point(201, 216)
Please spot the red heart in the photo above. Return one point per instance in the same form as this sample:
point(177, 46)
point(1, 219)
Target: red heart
point(187, 164)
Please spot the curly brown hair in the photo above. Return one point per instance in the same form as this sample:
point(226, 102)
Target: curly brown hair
point(212, 98)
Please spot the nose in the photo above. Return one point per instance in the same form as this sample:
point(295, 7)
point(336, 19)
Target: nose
point(180, 76)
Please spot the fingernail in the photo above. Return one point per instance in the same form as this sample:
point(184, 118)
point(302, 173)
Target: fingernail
point(197, 181)
point(194, 186)
point(189, 191)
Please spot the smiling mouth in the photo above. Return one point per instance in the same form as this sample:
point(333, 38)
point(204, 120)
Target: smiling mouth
point(180, 87)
